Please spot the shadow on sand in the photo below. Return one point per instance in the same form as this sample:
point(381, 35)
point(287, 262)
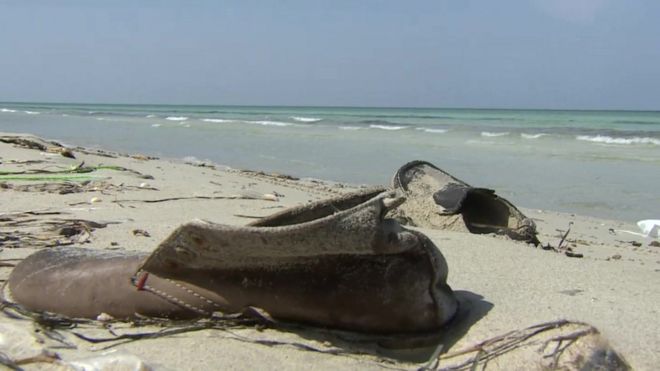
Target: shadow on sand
point(415, 348)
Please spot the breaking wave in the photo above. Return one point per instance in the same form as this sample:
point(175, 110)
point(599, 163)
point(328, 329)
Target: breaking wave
point(219, 121)
point(155, 125)
point(614, 140)
point(7, 110)
point(532, 136)
point(270, 123)
point(32, 112)
point(176, 118)
point(150, 116)
point(306, 119)
point(349, 128)
point(489, 134)
point(435, 131)
point(387, 127)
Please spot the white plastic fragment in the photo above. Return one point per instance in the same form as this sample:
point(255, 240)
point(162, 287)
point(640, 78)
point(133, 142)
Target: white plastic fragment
point(17, 342)
point(269, 197)
point(650, 227)
point(111, 361)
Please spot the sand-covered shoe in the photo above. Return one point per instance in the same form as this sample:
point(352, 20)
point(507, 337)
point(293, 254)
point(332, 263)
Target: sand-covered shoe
point(337, 263)
point(435, 199)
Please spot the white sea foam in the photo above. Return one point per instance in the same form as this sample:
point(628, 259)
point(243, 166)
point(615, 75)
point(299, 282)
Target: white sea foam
point(305, 119)
point(150, 116)
point(387, 127)
point(532, 136)
point(612, 140)
point(192, 160)
point(489, 134)
point(480, 142)
point(176, 118)
point(32, 112)
point(219, 121)
point(436, 131)
point(155, 125)
point(270, 123)
point(7, 110)
point(350, 128)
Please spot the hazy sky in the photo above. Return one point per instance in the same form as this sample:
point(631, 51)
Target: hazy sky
point(439, 53)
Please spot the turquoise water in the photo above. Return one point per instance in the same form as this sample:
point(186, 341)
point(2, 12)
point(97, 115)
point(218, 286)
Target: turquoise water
point(599, 163)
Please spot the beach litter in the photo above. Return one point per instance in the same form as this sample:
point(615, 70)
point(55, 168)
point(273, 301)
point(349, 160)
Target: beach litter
point(435, 199)
point(141, 232)
point(650, 228)
point(293, 265)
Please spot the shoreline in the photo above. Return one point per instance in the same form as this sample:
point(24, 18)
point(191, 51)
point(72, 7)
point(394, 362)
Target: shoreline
point(510, 285)
point(539, 160)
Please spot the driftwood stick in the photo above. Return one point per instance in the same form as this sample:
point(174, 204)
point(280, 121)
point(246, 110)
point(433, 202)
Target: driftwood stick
point(563, 238)
point(250, 216)
point(237, 197)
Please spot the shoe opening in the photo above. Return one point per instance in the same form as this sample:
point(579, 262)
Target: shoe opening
point(483, 212)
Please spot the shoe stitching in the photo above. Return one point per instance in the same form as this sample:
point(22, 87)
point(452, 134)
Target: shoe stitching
point(175, 300)
point(191, 292)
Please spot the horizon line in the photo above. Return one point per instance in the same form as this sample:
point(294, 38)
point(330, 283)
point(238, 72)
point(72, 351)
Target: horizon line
point(341, 106)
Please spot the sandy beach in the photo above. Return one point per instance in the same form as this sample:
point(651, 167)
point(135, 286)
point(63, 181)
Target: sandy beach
point(131, 202)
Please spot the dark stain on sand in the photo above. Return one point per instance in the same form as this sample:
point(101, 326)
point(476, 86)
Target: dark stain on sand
point(572, 292)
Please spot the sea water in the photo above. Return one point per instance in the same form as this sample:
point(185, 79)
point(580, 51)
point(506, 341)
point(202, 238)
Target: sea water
point(599, 163)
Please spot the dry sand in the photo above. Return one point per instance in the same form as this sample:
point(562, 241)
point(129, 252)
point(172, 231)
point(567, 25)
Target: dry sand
point(503, 285)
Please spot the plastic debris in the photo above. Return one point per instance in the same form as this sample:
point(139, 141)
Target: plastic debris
point(650, 227)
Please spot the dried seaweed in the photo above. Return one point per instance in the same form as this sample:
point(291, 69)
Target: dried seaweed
point(47, 178)
point(549, 347)
point(6, 361)
point(121, 168)
point(22, 162)
point(78, 169)
point(40, 174)
point(485, 351)
point(68, 187)
point(28, 230)
point(23, 142)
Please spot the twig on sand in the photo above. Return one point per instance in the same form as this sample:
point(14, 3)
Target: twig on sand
point(8, 216)
point(568, 251)
point(249, 216)
point(44, 357)
point(499, 345)
point(563, 238)
point(233, 197)
point(23, 162)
